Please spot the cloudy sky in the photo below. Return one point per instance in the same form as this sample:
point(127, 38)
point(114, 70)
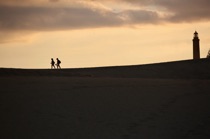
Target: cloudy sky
point(90, 33)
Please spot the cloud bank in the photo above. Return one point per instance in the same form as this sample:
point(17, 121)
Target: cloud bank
point(50, 15)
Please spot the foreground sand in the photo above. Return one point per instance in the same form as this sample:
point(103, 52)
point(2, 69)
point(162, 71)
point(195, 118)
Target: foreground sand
point(104, 108)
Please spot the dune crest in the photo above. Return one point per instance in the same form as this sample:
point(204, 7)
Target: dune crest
point(188, 69)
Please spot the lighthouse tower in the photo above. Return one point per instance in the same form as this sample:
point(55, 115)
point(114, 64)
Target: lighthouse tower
point(196, 46)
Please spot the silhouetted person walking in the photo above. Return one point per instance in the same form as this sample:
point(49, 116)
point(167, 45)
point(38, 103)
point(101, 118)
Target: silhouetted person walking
point(58, 63)
point(52, 63)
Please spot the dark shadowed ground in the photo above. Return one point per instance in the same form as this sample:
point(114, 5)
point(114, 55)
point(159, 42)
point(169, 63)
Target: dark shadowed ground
point(107, 103)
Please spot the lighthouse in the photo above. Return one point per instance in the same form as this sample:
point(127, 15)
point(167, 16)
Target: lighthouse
point(196, 46)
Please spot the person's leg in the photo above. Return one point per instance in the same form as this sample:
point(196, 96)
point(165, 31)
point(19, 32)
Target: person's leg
point(58, 66)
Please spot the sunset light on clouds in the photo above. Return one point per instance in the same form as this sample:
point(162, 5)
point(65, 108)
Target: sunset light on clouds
point(92, 33)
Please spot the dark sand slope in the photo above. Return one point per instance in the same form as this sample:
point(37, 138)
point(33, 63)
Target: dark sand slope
point(188, 69)
point(107, 103)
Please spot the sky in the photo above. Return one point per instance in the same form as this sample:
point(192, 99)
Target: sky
point(93, 33)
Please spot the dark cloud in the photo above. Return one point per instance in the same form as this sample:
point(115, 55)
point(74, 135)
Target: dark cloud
point(44, 17)
point(26, 18)
point(187, 10)
point(180, 10)
point(36, 15)
point(14, 2)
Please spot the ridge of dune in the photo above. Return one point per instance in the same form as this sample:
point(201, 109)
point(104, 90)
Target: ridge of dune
point(176, 69)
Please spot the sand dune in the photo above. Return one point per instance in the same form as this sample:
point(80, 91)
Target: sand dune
point(188, 69)
point(166, 101)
